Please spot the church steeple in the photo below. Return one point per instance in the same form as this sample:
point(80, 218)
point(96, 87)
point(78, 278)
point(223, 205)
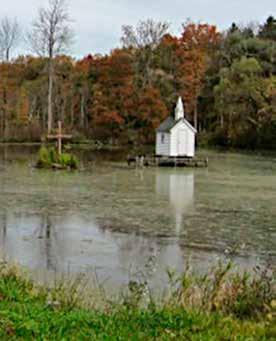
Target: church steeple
point(179, 110)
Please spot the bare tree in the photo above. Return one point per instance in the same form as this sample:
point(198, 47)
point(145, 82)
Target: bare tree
point(50, 36)
point(144, 38)
point(9, 37)
point(146, 34)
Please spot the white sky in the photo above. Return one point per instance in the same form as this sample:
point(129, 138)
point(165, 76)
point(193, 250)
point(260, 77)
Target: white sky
point(97, 23)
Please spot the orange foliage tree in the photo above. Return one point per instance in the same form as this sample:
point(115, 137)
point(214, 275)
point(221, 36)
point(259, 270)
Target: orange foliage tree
point(112, 76)
point(151, 110)
point(196, 43)
point(10, 82)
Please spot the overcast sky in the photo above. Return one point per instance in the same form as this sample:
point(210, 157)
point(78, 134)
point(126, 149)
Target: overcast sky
point(97, 23)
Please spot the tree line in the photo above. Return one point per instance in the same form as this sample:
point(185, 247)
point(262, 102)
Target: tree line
point(226, 79)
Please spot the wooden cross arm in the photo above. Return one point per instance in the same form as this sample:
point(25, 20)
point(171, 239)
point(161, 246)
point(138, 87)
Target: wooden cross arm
point(61, 136)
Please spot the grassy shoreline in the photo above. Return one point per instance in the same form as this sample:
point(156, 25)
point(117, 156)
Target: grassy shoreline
point(217, 307)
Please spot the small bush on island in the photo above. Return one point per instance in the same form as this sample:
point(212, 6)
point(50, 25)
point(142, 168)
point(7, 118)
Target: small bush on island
point(49, 158)
point(68, 160)
point(200, 309)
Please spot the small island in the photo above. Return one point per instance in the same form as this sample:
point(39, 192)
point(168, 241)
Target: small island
point(56, 159)
point(50, 159)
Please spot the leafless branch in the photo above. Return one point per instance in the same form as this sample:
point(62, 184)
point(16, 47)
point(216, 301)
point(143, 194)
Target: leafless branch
point(51, 33)
point(146, 34)
point(9, 37)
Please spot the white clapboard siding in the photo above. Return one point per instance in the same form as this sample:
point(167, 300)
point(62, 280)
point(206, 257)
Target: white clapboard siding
point(182, 144)
point(191, 144)
point(163, 144)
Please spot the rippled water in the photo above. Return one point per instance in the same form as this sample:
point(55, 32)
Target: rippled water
point(113, 219)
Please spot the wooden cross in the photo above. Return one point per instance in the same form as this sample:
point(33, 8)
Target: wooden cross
point(59, 137)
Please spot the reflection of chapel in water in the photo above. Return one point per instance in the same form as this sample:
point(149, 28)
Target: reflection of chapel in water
point(178, 187)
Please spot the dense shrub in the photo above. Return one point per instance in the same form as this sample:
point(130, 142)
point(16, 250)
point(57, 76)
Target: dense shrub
point(48, 158)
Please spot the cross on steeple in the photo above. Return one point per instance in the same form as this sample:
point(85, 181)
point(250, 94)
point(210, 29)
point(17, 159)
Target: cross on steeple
point(59, 136)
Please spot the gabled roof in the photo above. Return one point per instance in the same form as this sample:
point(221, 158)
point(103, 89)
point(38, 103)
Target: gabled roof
point(167, 125)
point(170, 123)
point(188, 124)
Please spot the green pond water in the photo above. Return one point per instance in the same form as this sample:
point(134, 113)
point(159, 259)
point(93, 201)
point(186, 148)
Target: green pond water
point(115, 221)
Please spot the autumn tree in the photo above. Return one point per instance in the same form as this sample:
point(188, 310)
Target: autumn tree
point(10, 81)
point(35, 84)
point(112, 91)
point(50, 36)
point(166, 68)
point(64, 99)
point(151, 112)
point(144, 39)
point(196, 43)
point(83, 89)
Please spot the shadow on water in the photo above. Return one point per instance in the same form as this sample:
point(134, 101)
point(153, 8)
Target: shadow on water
point(113, 220)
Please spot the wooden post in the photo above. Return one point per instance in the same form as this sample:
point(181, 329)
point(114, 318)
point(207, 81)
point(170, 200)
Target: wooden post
point(59, 137)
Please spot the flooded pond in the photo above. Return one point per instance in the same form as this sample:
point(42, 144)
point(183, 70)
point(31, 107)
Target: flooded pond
point(113, 220)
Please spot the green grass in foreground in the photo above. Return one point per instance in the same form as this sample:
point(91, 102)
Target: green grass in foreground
point(29, 312)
